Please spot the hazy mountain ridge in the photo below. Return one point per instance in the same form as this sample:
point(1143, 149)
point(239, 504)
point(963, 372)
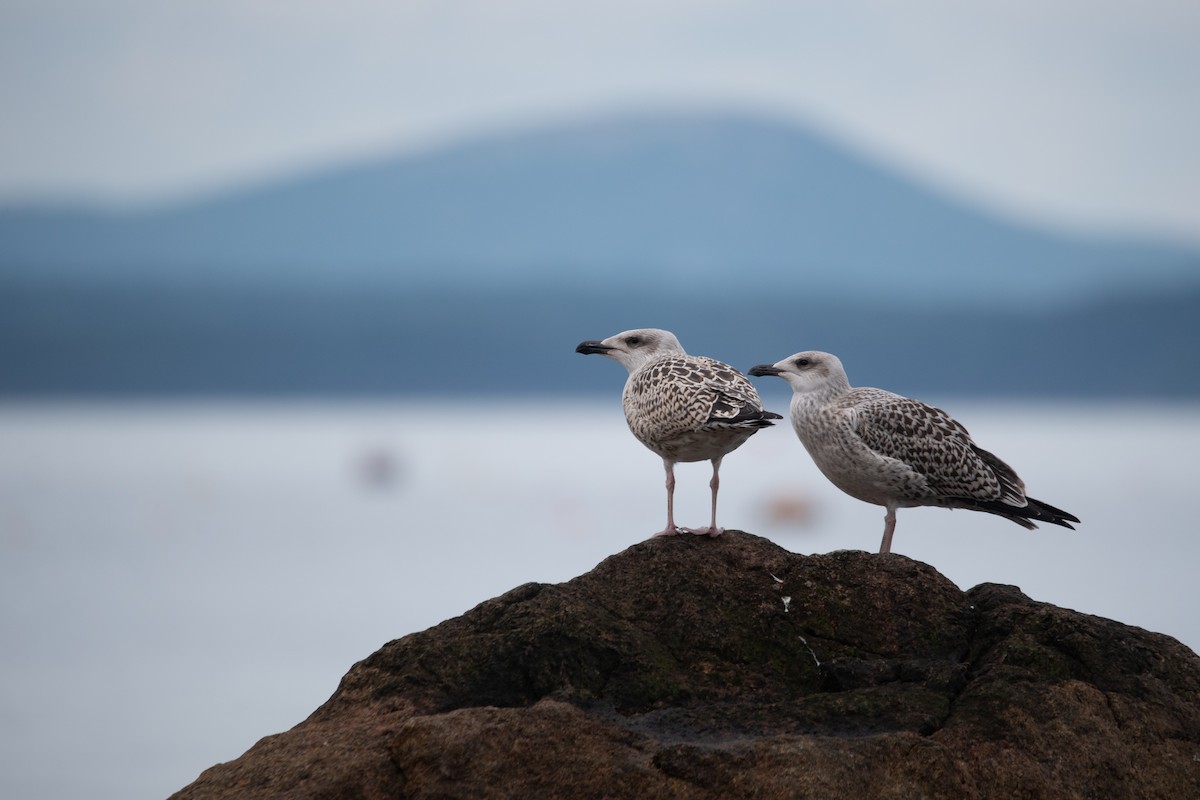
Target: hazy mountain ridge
point(714, 202)
point(477, 268)
point(156, 341)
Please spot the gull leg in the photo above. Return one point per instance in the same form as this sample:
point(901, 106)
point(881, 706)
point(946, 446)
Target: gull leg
point(889, 527)
point(715, 485)
point(670, 530)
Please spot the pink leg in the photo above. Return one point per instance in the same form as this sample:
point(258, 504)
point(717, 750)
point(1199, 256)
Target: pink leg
point(714, 484)
point(889, 527)
point(670, 530)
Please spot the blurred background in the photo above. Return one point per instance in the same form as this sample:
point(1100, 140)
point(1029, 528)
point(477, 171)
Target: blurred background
point(289, 293)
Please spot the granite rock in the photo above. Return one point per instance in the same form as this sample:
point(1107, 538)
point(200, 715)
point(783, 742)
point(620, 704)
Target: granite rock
point(688, 667)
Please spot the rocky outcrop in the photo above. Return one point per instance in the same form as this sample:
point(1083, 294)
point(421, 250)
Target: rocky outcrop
point(714, 668)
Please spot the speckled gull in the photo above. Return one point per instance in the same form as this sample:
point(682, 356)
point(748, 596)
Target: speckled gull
point(684, 408)
point(894, 452)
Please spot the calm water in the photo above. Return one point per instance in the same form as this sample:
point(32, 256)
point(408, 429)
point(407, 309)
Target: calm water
point(178, 581)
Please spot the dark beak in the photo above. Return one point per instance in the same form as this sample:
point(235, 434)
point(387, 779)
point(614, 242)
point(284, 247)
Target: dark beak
point(765, 369)
point(592, 346)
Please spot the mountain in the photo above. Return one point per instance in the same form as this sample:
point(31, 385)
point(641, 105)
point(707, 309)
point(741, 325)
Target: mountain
point(391, 341)
point(716, 203)
point(475, 269)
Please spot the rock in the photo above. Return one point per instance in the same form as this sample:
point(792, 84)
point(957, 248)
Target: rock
point(689, 667)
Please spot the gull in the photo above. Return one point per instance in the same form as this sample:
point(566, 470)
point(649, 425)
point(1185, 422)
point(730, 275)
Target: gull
point(894, 452)
point(684, 408)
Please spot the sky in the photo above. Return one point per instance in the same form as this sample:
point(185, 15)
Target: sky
point(1083, 113)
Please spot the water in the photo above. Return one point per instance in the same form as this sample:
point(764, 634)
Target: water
point(178, 581)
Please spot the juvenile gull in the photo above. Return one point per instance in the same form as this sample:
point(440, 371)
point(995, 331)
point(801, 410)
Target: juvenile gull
point(684, 408)
point(894, 452)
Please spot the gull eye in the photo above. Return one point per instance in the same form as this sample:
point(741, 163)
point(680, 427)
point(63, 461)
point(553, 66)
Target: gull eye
point(633, 341)
point(802, 362)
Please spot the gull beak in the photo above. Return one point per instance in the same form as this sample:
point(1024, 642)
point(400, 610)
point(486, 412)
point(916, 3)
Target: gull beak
point(761, 370)
point(593, 346)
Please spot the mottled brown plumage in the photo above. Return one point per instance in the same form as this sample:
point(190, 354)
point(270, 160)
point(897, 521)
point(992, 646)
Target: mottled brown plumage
point(891, 451)
point(684, 408)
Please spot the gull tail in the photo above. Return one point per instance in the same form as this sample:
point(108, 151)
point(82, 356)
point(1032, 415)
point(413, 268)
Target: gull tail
point(749, 418)
point(1048, 513)
point(1025, 516)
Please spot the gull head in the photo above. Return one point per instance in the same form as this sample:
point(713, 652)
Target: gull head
point(809, 371)
point(633, 349)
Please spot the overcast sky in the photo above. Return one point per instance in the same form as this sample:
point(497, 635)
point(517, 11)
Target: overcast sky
point(1085, 112)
